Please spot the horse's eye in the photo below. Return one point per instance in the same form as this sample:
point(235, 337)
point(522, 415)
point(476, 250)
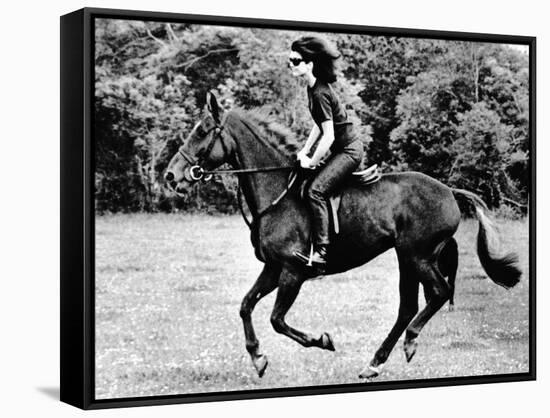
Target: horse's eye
point(200, 131)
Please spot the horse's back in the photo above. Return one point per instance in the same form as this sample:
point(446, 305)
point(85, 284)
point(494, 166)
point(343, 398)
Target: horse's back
point(402, 208)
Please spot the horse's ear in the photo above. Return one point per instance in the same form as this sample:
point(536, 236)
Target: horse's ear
point(213, 107)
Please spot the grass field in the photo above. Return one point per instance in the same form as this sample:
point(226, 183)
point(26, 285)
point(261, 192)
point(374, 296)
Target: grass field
point(168, 292)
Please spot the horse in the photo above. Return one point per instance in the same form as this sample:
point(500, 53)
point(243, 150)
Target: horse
point(408, 211)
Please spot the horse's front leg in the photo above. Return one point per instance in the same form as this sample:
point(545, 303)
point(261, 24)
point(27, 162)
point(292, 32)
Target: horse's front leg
point(289, 286)
point(265, 284)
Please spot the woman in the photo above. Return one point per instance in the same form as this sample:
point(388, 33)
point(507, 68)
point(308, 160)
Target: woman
point(314, 60)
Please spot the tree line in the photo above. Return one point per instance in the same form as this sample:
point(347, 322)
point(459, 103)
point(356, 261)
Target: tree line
point(457, 111)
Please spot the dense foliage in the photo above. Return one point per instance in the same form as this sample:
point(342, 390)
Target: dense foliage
point(457, 111)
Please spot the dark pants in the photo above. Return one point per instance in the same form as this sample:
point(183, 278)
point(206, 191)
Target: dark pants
point(331, 176)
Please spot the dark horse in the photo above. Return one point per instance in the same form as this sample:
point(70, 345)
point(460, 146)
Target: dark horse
point(410, 211)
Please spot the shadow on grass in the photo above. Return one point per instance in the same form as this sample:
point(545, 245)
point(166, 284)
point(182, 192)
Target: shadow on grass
point(463, 345)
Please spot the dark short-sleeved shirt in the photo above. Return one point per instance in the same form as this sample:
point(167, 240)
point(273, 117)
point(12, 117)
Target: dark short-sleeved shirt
point(324, 105)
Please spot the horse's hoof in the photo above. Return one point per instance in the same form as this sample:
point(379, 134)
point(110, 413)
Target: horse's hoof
point(260, 364)
point(371, 372)
point(410, 349)
point(451, 307)
point(326, 342)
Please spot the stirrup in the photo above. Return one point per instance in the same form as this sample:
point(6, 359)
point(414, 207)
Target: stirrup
point(308, 260)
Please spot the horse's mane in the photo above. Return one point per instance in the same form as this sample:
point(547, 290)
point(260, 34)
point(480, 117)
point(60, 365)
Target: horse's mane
point(274, 133)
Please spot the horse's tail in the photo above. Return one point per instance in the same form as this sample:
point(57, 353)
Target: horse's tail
point(502, 269)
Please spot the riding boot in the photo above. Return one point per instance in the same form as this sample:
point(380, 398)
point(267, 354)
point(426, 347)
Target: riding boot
point(320, 227)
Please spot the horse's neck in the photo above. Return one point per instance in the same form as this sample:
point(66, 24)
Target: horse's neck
point(262, 188)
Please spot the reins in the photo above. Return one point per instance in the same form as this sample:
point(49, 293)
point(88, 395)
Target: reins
point(256, 218)
point(196, 172)
point(249, 170)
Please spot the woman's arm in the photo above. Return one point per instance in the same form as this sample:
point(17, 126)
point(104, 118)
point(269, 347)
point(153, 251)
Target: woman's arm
point(324, 143)
point(313, 135)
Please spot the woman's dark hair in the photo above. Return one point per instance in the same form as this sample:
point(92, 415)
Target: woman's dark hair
point(323, 56)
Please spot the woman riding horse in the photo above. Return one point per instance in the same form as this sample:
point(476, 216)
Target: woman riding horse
point(313, 59)
point(411, 212)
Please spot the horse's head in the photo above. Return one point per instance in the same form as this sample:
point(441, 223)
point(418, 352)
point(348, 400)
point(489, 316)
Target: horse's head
point(206, 148)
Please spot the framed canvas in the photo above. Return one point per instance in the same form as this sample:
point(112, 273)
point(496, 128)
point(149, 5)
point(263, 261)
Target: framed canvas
point(254, 208)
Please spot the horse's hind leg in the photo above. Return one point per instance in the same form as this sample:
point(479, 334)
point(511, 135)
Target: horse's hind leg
point(447, 263)
point(289, 286)
point(437, 291)
point(408, 307)
point(265, 284)
point(448, 266)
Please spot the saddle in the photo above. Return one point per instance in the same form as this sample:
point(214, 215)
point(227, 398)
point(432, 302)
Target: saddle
point(363, 178)
point(299, 181)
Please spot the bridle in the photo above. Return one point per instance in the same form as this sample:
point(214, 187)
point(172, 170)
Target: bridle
point(196, 172)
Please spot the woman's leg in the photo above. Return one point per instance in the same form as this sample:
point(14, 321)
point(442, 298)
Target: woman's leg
point(331, 176)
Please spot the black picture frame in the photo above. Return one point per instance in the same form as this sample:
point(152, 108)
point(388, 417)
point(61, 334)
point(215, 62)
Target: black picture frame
point(77, 208)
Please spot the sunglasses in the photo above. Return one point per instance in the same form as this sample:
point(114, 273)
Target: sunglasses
point(295, 61)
